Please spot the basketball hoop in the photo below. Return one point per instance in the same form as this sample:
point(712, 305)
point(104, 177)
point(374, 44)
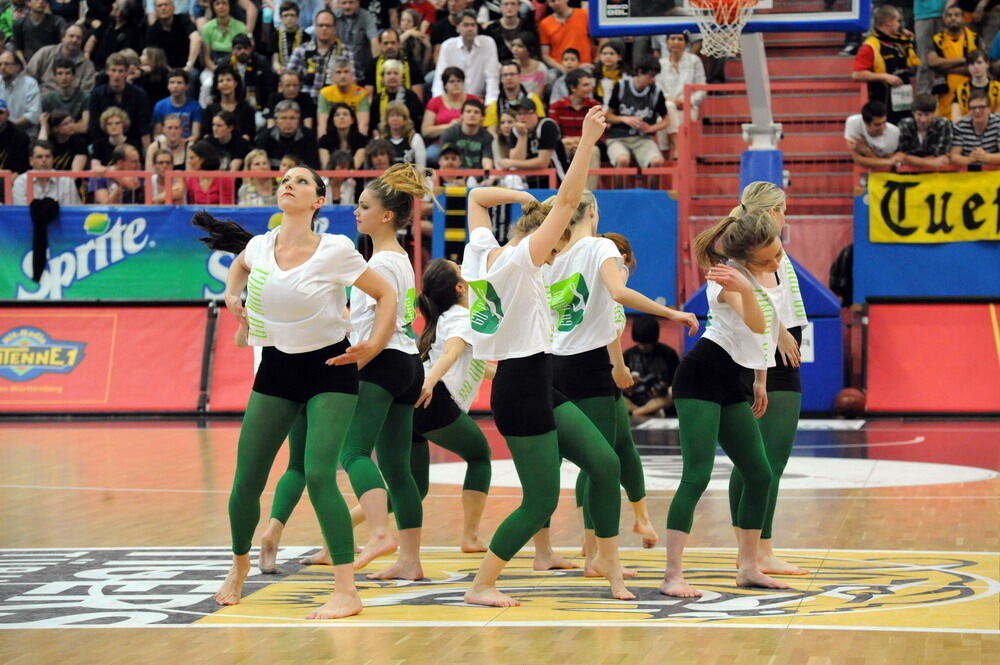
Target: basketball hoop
point(721, 22)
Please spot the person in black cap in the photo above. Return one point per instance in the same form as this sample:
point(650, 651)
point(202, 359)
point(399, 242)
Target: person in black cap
point(535, 143)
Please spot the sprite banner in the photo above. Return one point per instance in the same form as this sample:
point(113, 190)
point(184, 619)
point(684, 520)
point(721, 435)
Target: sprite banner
point(131, 252)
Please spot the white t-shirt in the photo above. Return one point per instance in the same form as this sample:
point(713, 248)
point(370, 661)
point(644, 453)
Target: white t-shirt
point(465, 376)
point(395, 268)
point(509, 309)
point(791, 309)
point(882, 146)
point(726, 328)
point(300, 309)
point(584, 309)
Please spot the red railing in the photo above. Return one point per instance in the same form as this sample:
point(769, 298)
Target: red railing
point(8, 185)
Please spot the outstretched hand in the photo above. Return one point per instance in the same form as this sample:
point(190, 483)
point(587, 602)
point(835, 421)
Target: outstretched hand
point(594, 124)
point(361, 353)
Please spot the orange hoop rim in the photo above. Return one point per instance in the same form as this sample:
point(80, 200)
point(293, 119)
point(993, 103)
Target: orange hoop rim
point(726, 12)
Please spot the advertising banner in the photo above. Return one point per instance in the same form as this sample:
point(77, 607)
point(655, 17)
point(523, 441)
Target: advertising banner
point(934, 207)
point(68, 359)
point(130, 252)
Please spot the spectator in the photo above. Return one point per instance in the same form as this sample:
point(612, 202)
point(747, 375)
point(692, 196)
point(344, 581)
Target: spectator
point(505, 29)
point(232, 148)
point(110, 189)
point(253, 68)
point(289, 35)
point(564, 28)
point(178, 104)
point(979, 79)
point(257, 191)
point(677, 69)
point(570, 61)
point(341, 190)
point(397, 129)
point(114, 124)
point(491, 10)
point(652, 365)
point(70, 11)
point(42, 66)
point(976, 139)
point(172, 140)
point(445, 110)
point(117, 33)
point(343, 136)
point(207, 190)
point(637, 110)
point(446, 28)
point(289, 162)
point(378, 155)
point(69, 149)
point(217, 38)
point(68, 97)
point(926, 23)
point(872, 140)
point(13, 143)
point(119, 93)
point(38, 28)
point(290, 87)
point(568, 113)
point(415, 44)
point(450, 159)
point(886, 61)
point(535, 144)
point(609, 70)
point(288, 137)
point(21, 94)
point(176, 34)
point(357, 29)
point(471, 138)
point(312, 60)
point(925, 140)
point(427, 13)
point(385, 12)
point(951, 48)
point(154, 73)
point(227, 95)
point(308, 9)
point(474, 54)
point(63, 190)
point(389, 51)
point(534, 73)
point(163, 161)
point(345, 90)
point(393, 90)
point(511, 91)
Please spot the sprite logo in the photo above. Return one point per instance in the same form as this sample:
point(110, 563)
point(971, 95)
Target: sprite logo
point(486, 312)
point(111, 244)
point(410, 312)
point(569, 299)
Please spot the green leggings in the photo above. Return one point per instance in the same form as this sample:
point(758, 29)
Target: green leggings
point(702, 423)
point(584, 444)
point(778, 427)
point(265, 424)
point(464, 438)
point(387, 426)
point(293, 481)
point(610, 414)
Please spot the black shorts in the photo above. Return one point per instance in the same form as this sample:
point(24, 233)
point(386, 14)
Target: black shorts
point(584, 375)
point(400, 374)
point(708, 373)
point(441, 412)
point(522, 396)
point(781, 376)
point(300, 376)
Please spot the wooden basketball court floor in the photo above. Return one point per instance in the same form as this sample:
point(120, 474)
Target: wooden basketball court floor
point(113, 537)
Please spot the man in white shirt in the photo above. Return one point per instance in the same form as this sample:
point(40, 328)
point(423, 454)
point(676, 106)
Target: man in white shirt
point(474, 54)
point(63, 190)
point(872, 140)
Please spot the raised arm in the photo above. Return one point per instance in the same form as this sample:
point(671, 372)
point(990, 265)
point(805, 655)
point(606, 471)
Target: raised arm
point(481, 199)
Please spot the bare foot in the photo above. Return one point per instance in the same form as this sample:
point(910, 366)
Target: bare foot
point(755, 578)
point(648, 533)
point(614, 576)
point(489, 596)
point(267, 561)
point(552, 562)
point(321, 558)
point(590, 571)
point(401, 570)
point(676, 586)
point(373, 549)
point(340, 605)
point(472, 544)
point(232, 587)
point(772, 565)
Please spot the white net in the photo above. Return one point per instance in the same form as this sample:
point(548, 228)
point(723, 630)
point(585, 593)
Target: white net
point(721, 22)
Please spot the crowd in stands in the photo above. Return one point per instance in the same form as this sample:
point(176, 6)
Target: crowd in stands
point(933, 92)
point(108, 85)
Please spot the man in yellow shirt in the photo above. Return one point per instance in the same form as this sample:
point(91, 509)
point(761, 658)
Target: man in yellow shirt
point(511, 91)
point(947, 58)
point(345, 90)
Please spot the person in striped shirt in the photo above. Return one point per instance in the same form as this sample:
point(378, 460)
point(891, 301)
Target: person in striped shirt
point(976, 139)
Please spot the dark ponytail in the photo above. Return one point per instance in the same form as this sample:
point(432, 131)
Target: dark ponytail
point(437, 295)
point(224, 235)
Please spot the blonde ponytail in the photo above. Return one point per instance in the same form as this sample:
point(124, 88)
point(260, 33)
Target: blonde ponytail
point(739, 234)
point(759, 195)
point(396, 188)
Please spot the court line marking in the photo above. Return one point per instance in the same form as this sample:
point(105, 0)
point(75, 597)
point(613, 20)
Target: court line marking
point(996, 329)
point(909, 442)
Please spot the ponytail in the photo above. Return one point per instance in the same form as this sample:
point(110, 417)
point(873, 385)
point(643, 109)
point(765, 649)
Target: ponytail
point(437, 296)
point(223, 235)
point(740, 236)
point(760, 195)
point(395, 189)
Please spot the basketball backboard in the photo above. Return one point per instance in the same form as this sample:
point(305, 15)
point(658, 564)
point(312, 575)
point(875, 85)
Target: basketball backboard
point(617, 18)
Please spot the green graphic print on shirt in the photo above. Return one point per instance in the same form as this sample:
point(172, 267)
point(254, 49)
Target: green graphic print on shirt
point(487, 310)
point(410, 312)
point(569, 300)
